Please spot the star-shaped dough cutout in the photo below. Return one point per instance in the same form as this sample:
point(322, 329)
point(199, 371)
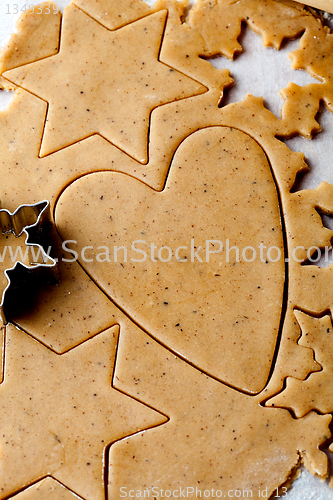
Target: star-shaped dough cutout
point(101, 81)
point(59, 414)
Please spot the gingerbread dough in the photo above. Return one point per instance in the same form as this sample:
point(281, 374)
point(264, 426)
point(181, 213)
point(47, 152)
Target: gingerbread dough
point(216, 438)
point(162, 153)
point(47, 488)
point(180, 276)
point(49, 402)
point(126, 89)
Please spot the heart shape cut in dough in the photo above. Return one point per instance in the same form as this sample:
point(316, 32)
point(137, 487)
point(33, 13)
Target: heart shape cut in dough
point(222, 316)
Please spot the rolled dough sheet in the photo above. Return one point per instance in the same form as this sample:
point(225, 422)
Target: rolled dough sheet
point(179, 380)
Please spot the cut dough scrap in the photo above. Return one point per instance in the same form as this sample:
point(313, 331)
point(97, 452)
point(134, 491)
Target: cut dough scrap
point(41, 28)
point(60, 413)
point(304, 220)
point(105, 96)
point(316, 392)
point(303, 103)
point(314, 53)
point(301, 108)
point(217, 305)
point(220, 22)
point(215, 438)
point(293, 359)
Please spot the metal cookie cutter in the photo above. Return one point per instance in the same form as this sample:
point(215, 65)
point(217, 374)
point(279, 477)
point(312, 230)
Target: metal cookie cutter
point(16, 229)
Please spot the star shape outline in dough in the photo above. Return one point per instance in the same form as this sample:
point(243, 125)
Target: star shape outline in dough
point(78, 108)
point(45, 409)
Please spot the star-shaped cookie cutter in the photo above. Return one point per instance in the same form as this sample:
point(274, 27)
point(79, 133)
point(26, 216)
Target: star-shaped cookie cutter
point(25, 218)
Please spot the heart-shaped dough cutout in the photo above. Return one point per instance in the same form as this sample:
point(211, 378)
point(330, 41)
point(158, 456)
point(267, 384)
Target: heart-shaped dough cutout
point(219, 312)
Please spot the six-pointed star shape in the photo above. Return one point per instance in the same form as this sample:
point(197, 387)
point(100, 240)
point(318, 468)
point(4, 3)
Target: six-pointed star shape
point(59, 413)
point(105, 82)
